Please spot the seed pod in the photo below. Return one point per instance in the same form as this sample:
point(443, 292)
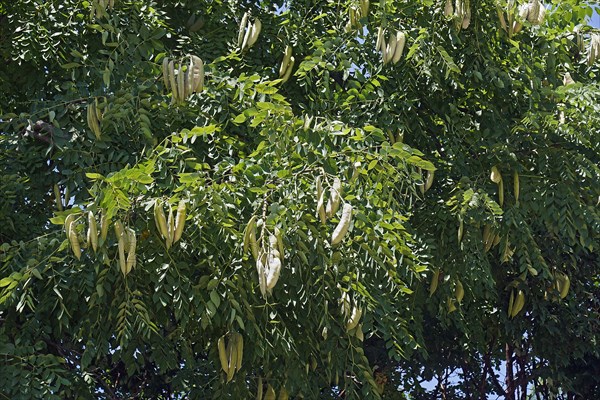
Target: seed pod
point(342, 227)
point(104, 222)
point(534, 11)
point(495, 175)
point(240, 350)
point(511, 302)
point(261, 268)
point(197, 25)
point(243, 24)
point(541, 15)
point(354, 318)
point(173, 82)
point(459, 291)
point(429, 180)
point(565, 285)
point(460, 229)
point(283, 394)
point(231, 359)
point(273, 270)
point(333, 204)
point(197, 74)
point(518, 303)
point(223, 354)
point(434, 282)
point(501, 18)
point(321, 208)
point(131, 257)
point(364, 8)
point(118, 228)
point(181, 92)
point(57, 197)
point(448, 9)
point(286, 60)
point(74, 240)
point(289, 70)
point(400, 41)
point(390, 49)
point(92, 233)
point(121, 244)
point(259, 390)
point(254, 32)
point(248, 233)
point(516, 186)
point(380, 38)
point(501, 193)
point(279, 243)
point(165, 72)
point(466, 20)
point(170, 228)
point(270, 394)
point(160, 220)
point(450, 305)
point(179, 221)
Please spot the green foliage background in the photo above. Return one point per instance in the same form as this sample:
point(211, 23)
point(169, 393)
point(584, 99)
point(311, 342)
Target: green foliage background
point(458, 103)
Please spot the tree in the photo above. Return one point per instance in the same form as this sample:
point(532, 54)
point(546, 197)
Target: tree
point(467, 163)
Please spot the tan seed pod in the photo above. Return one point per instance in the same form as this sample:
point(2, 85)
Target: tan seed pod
point(429, 180)
point(273, 270)
point(390, 49)
point(173, 82)
point(342, 227)
point(74, 240)
point(333, 203)
point(249, 235)
point(254, 32)
point(57, 197)
point(448, 8)
point(121, 245)
point(321, 208)
point(289, 70)
point(354, 318)
point(181, 92)
point(179, 221)
point(165, 72)
point(242, 31)
point(364, 8)
point(171, 228)
point(160, 220)
point(131, 256)
point(197, 74)
point(400, 41)
point(495, 175)
point(261, 268)
point(104, 223)
point(92, 233)
point(286, 60)
point(501, 18)
point(380, 38)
